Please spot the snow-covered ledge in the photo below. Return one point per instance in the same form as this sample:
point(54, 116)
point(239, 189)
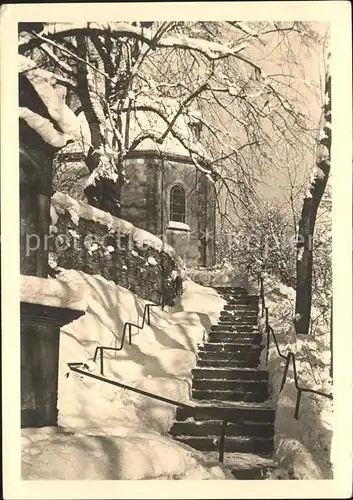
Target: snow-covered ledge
point(178, 226)
point(46, 305)
point(50, 292)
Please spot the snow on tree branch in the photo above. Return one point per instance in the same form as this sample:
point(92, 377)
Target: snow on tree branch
point(211, 50)
point(44, 128)
point(42, 82)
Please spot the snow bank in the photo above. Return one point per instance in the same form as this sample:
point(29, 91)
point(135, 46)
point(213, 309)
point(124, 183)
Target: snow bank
point(111, 433)
point(111, 453)
point(302, 446)
point(220, 275)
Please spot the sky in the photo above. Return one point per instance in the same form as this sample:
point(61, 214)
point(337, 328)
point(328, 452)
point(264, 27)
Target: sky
point(311, 71)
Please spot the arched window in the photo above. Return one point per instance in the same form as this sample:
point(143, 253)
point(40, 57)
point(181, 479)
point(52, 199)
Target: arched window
point(177, 204)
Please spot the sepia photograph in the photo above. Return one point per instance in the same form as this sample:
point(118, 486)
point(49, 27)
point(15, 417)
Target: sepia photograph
point(175, 288)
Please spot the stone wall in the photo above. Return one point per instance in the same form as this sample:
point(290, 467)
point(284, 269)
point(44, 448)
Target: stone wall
point(93, 241)
point(145, 201)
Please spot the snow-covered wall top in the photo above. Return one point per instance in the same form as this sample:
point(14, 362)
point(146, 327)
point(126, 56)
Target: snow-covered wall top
point(62, 202)
point(87, 239)
point(50, 292)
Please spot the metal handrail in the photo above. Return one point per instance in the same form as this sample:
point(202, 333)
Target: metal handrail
point(290, 356)
point(74, 366)
point(127, 326)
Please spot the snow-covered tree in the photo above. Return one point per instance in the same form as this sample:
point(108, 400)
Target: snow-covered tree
point(200, 84)
point(311, 203)
point(266, 241)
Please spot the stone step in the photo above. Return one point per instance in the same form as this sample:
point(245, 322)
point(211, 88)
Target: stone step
point(233, 412)
point(224, 355)
point(261, 446)
point(224, 323)
point(236, 325)
point(239, 338)
point(233, 289)
point(213, 427)
point(231, 327)
point(237, 412)
point(230, 374)
point(234, 333)
point(223, 363)
point(241, 307)
point(236, 385)
point(240, 316)
point(231, 318)
point(253, 473)
point(230, 395)
point(244, 298)
point(245, 465)
point(243, 303)
point(229, 347)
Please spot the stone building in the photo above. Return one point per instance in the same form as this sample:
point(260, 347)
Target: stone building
point(165, 193)
point(167, 196)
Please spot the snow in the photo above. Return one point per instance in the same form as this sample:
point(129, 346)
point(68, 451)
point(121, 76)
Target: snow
point(172, 224)
point(50, 292)
point(106, 168)
point(62, 202)
point(322, 135)
point(303, 446)
point(179, 141)
point(117, 29)
point(61, 114)
point(300, 254)
point(44, 128)
point(221, 275)
point(246, 28)
point(124, 432)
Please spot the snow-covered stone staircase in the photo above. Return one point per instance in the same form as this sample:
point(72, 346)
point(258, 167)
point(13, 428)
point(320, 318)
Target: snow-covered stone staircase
point(226, 384)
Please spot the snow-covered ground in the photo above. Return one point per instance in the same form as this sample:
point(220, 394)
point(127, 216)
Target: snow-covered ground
point(218, 275)
point(303, 446)
point(110, 433)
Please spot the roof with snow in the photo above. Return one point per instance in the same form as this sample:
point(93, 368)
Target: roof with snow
point(149, 122)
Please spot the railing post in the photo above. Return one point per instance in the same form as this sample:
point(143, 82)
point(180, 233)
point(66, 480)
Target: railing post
point(148, 316)
point(296, 412)
point(262, 295)
point(101, 361)
point(285, 372)
point(331, 343)
point(130, 334)
point(267, 334)
point(222, 440)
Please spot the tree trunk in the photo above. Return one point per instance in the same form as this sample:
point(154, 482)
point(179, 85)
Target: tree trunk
point(105, 194)
point(306, 228)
